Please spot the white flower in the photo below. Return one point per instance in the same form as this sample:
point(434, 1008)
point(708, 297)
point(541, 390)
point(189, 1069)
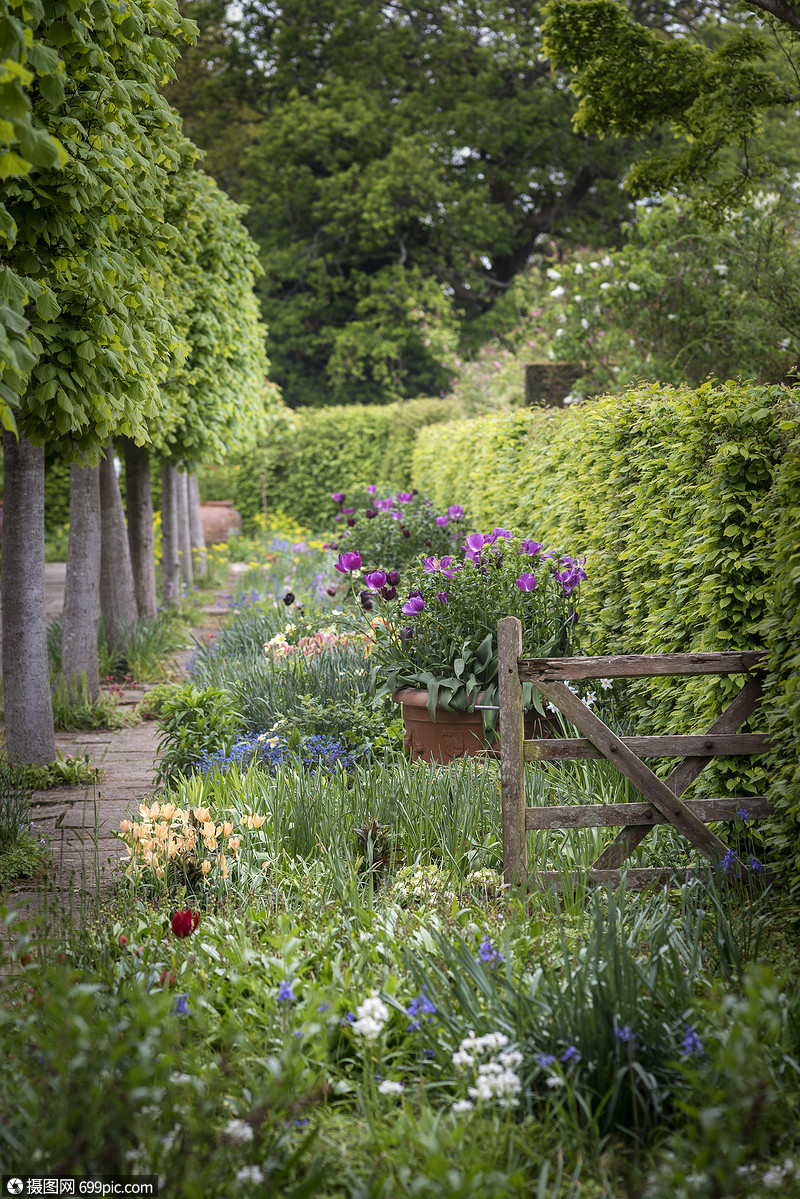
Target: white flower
point(604, 286)
point(250, 1174)
point(178, 1078)
point(554, 1080)
point(372, 1015)
point(556, 292)
point(720, 268)
point(238, 1131)
point(606, 684)
point(634, 287)
point(552, 273)
point(578, 269)
point(594, 265)
point(461, 1058)
point(462, 1105)
point(388, 1087)
point(584, 323)
point(511, 1058)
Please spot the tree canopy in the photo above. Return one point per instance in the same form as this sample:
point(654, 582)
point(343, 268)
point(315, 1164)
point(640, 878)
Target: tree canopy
point(709, 94)
point(406, 163)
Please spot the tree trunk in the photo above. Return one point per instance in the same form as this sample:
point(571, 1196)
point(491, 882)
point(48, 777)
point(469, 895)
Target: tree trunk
point(30, 737)
point(139, 502)
point(184, 534)
point(199, 555)
point(82, 586)
point(170, 564)
point(117, 594)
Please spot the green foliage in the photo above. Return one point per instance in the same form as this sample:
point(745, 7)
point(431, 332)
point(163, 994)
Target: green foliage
point(73, 709)
point(15, 804)
point(192, 723)
point(216, 389)
point(27, 64)
point(66, 771)
point(100, 333)
point(343, 448)
point(153, 703)
point(27, 857)
point(684, 502)
point(395, 190)
point(630, 78)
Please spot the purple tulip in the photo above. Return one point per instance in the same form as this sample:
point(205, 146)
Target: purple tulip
point(404, 497)
point(430, 565)
point(365, 601)
point(371, 489)
point(442, 521)
point(375, 579)
point(475, 542)
point(371, 513)
point(529, 547)
point(338, 516)
point(348, 562)
point(393, 578)
point(442, 597)
point(413, 606)
point(338, 497)
point(455, 512)
point(496, 534)
point(389, 593)
point(348, 511)
point(526, 582)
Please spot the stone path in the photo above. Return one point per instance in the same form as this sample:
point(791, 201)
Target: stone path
point(80, 821)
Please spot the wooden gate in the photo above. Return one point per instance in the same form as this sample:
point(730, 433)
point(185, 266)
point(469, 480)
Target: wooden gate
point(663, 804)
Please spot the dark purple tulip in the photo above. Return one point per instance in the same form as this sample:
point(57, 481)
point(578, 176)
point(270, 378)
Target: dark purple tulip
point(442, 597)
point(389, 593)
point(405, 532)
point(371, 513)
point(348, 562)
point(288, 598)
point(393, 578)
point(366, 601)
point(331, 545)
point(407, 633)
point(338, 497)
point(351, 520)
point(331, 590)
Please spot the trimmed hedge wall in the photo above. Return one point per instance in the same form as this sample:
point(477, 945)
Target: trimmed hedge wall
point(323, 450)
point(687, 505)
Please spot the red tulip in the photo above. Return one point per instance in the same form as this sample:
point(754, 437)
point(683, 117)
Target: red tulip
point(184, 923)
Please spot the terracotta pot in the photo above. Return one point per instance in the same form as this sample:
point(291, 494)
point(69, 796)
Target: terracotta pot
point(454, 734)
point(219, 519)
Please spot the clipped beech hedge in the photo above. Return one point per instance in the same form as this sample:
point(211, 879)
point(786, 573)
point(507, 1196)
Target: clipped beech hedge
point(321, 450)
point(687, 505)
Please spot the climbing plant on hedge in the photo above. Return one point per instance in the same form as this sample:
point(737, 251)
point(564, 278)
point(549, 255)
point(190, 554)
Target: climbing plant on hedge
point(682, 501)
point(88, 238)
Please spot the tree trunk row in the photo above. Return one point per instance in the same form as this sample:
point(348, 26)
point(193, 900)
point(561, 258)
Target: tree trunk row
point(110, 570)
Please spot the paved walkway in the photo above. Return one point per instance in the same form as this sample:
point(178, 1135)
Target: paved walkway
point(80, 821)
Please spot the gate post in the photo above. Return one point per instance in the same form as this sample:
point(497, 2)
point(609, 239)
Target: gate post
point(512, 764)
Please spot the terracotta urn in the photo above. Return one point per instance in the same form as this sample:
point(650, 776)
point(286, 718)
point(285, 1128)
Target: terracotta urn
point(453, 734)
point(219, 519)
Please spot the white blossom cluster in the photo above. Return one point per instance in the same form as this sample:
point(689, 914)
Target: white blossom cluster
point(496, 1079)
point(371, 1016)
point(238, 1131)
point(389, 1087)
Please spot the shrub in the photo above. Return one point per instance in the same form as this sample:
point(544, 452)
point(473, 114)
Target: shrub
point(686, 503)
point(193, 723)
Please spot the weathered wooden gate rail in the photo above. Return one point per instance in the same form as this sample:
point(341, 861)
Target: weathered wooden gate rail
point(663, 804)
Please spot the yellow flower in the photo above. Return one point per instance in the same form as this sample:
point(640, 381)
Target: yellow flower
point(206, 866)
point(167, 810)
point(234, 843)
point(201, 815)
point(154, 809)
point(257, 821)
point(208, 829)
point(223, 865)
point(226, 828)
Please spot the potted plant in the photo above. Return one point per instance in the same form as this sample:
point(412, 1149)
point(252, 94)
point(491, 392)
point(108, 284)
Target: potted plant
point(435, 631)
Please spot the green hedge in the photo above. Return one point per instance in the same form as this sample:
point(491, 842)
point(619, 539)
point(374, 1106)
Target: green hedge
point(687, 504)
point(322, 450)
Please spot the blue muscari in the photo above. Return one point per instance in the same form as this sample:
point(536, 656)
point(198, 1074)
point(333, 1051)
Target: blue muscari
point(314, 752)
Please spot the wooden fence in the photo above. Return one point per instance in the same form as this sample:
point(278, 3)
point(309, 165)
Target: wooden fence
point(662, 803)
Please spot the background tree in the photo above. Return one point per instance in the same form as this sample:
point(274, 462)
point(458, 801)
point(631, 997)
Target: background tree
point(706, 93)
point(407, 163)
